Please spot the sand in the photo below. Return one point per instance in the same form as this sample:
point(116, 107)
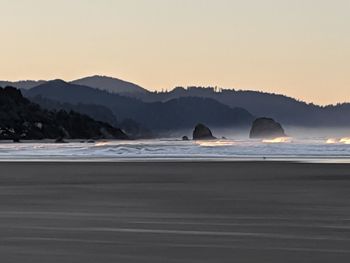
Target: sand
point(174, 212)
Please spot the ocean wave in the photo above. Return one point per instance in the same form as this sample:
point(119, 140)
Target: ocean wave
point(180, 149)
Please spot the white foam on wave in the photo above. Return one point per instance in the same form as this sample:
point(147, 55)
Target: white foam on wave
point(278, 140)
point(167, 149)
point(345, 140)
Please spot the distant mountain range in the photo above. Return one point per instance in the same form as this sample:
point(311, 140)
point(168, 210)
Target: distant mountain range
point(112, 85)
point(22, 84)
point(284, 109)
point(109, 84)
point(181, 107)
point(175, 114)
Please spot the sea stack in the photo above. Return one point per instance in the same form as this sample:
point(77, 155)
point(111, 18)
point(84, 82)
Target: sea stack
point(266, 128)
point(202, 132)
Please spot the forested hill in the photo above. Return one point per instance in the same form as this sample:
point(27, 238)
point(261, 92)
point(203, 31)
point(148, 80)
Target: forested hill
point(285, 109)
point(171, 115)
point(20, 119)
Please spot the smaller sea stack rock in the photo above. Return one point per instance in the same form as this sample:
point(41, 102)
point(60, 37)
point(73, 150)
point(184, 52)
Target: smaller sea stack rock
point(266, 128)
point(202, 132)
point(185, 138)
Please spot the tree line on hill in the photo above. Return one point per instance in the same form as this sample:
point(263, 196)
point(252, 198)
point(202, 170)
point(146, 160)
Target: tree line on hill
point(159, 117)
point(21, 119)
point(145, 114)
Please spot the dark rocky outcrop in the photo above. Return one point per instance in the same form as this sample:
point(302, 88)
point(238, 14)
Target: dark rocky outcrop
point(21, 119)
point(266, 128)
point(185, 138)
point(202, 132)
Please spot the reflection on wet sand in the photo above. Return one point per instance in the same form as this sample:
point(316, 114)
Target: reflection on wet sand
point(174, 212)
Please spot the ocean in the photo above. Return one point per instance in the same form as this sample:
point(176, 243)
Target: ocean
point(320, 149)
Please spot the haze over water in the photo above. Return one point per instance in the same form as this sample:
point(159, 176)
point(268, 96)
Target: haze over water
point(319, 149)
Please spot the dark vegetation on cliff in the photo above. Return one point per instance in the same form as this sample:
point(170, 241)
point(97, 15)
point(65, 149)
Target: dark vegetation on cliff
point(21, 119)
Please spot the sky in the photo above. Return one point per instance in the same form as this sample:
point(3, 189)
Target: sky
point(300, 48)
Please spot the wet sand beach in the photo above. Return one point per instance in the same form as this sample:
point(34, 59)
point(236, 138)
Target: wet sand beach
point(174, 212)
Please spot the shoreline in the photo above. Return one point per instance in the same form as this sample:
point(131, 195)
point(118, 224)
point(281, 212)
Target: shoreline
point(199, 160)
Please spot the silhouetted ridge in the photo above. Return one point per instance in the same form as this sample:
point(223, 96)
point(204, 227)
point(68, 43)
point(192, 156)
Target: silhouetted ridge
point(288, 110)
point(23, 84)
point(22, 119)
point(97, 112)
point(109, 84)
point(170, 115)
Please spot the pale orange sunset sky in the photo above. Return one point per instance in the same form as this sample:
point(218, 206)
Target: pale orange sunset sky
point(299, 48)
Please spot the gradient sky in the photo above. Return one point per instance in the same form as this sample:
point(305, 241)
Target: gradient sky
point(296, 47)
